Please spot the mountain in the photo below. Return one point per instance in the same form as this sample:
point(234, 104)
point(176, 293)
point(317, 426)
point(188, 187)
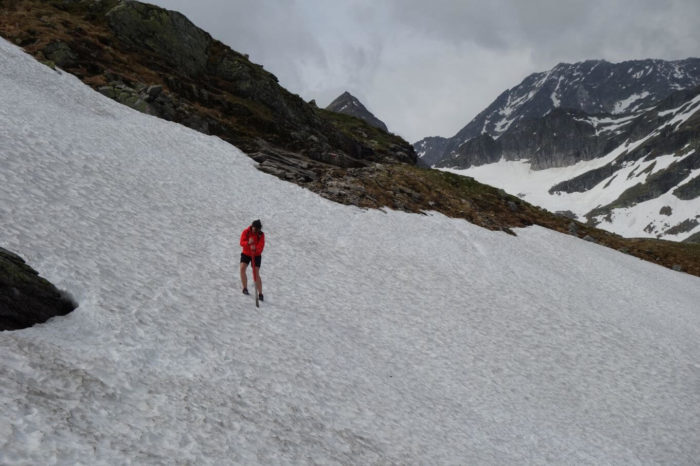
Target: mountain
point(636, 175)
point(385, 337)
point(430, 150)
point(561, 120)
point(592, 87)
point(349, 105)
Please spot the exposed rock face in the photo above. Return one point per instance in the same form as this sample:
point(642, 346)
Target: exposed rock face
point(168, 34)
point(561, 138)
point(430, 150)
point(349, 105)
point(593, 87)
point(26, 298)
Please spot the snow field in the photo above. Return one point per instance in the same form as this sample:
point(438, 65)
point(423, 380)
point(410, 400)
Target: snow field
point(385, 337)
point(517, 178)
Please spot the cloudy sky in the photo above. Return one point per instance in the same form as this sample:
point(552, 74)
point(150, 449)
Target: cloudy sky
point(427, 67)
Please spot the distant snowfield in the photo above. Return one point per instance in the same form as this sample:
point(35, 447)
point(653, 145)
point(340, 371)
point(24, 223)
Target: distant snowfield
point(642, 220)
point(385, 337)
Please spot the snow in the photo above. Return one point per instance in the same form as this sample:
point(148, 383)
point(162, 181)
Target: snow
point(608, 124)
point(626, 105)
point(642, 220)
point(555, 100)
point(385, 337)
point(518, 178)
point(682, 113)
point(662, 162)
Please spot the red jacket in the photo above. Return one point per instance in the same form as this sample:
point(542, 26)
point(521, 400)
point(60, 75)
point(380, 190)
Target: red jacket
point(258, 242)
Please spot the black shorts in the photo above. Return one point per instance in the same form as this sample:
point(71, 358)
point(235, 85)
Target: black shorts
point(245, 259)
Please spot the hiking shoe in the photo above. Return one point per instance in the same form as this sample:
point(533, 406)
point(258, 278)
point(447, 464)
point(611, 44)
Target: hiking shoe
point(260, 297)
point(245, 291)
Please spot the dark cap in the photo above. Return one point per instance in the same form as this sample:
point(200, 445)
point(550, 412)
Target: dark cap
point(257, 224)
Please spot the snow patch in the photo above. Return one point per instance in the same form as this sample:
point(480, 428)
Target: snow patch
point(627, 104)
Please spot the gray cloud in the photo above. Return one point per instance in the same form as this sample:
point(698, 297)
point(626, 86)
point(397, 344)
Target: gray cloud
point(428, 67)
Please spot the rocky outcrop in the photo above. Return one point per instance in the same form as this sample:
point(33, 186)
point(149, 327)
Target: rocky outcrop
point(25, 297)
point(60, 54)
point(585, 181)
point(169, 35)
point(350, 105)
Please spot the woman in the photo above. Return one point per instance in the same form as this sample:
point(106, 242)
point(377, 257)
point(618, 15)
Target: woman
point(253, 243)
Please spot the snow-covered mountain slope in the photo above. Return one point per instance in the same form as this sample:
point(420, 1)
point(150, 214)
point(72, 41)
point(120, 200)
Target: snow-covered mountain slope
point(385, 337)
point(592, 87)
point(647, 186)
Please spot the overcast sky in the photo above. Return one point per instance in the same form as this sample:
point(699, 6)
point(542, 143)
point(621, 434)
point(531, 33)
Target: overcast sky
point(427, 67)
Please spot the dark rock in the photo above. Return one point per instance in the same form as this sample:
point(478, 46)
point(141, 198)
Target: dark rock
point(590, 239)
point(683, 227)
point(430, 150)
point(691, 189)
point(154, 91)
point(168, 34)
point(25, 297)
point(666, 210)
point(677, 268)
point(61, 54)
point(566, 214)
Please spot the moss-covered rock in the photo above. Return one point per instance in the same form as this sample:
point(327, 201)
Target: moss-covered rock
point(168, 34)
point(60, 53)
point(25, 297)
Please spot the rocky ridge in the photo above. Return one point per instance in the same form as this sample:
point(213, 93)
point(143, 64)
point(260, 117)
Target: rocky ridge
point(350, 105)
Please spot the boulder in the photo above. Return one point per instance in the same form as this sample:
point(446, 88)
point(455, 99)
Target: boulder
point(61, 54)
point(25, 297)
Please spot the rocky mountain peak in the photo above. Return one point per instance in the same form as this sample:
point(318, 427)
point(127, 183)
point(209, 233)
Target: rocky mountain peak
point(591, 86)
point(350, 105)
